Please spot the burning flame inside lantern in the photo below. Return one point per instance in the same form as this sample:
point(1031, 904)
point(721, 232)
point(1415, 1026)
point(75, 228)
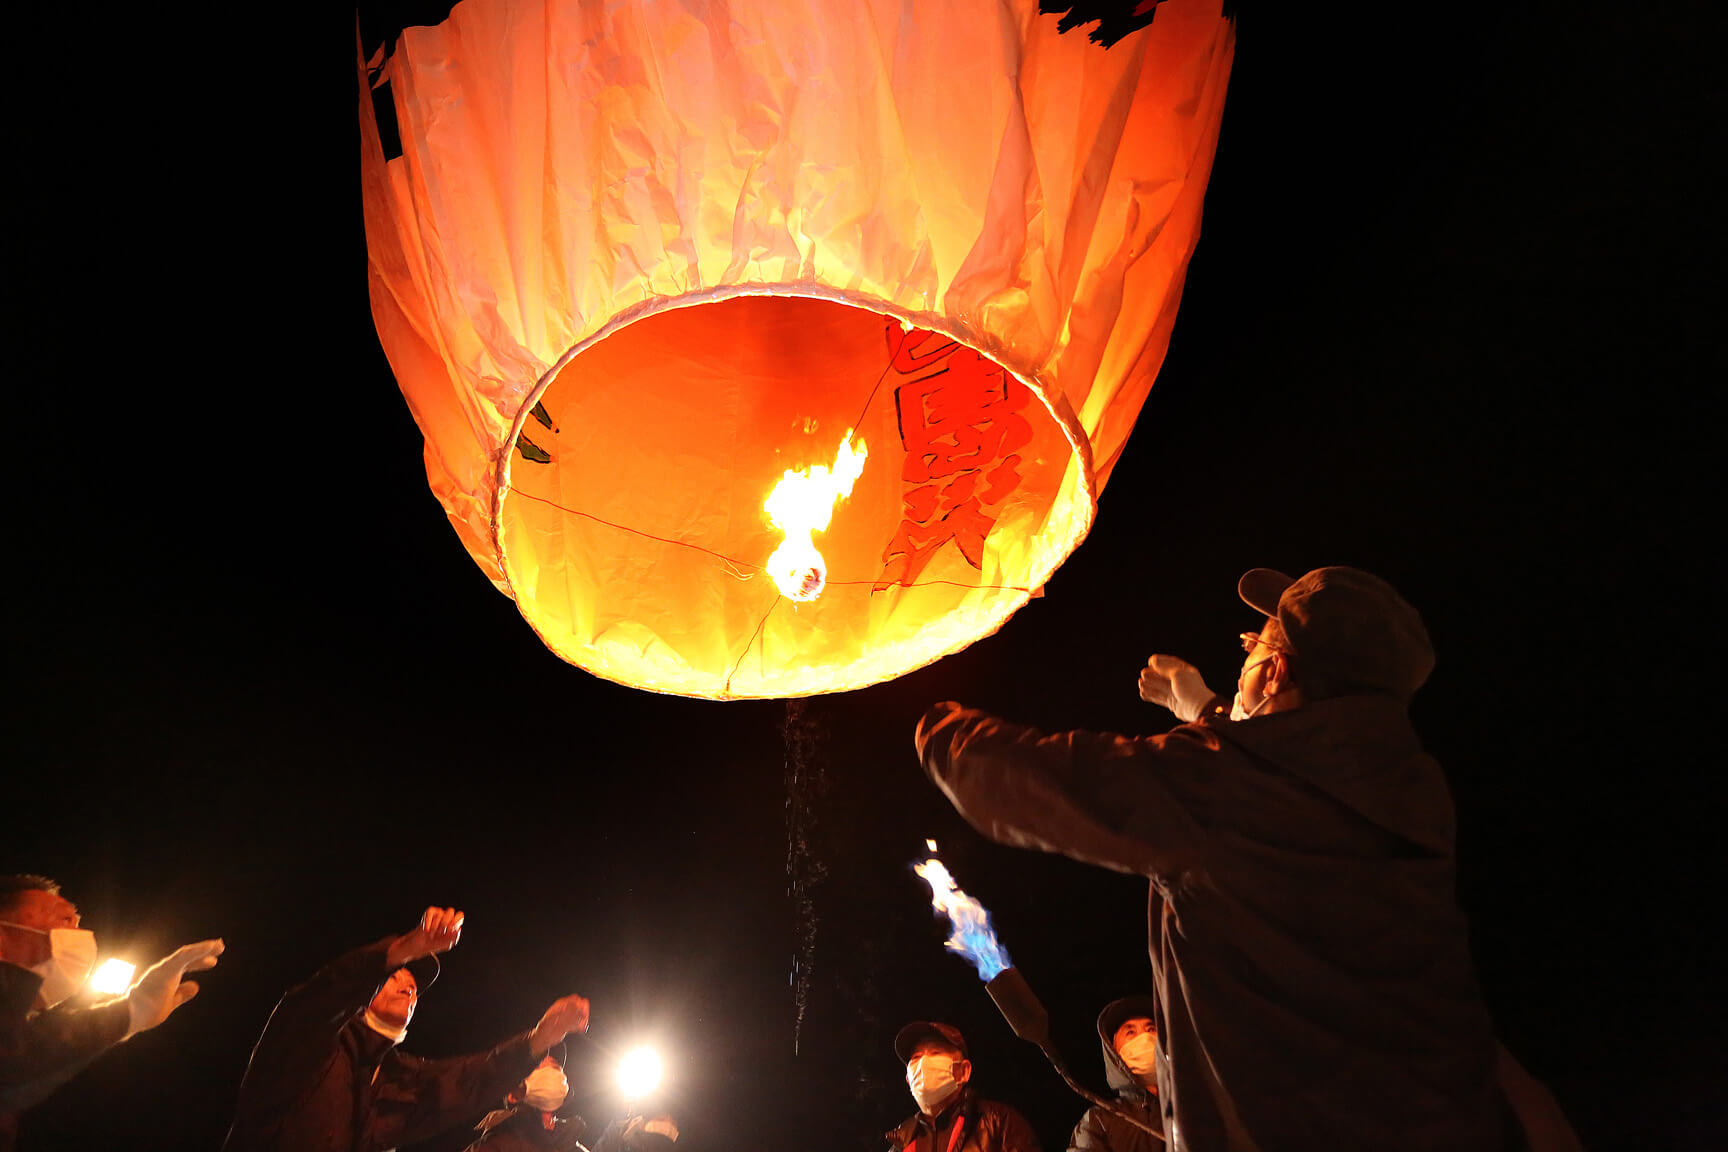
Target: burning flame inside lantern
point(803, 503)
point(972, 935)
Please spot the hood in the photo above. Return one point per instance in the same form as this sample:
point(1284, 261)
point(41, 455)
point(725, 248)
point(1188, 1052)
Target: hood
point(1116, 1073)
point(1361, 751)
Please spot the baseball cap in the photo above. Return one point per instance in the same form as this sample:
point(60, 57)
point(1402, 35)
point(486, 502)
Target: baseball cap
point(919, 1031)
point(1349, 626)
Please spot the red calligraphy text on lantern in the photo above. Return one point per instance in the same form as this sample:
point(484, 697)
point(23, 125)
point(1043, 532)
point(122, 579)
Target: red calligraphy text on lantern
point(961, 426)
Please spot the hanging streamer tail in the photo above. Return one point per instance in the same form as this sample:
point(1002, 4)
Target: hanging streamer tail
point(1029, 1019)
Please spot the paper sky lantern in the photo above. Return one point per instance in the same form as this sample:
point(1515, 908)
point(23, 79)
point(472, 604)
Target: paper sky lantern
point(633, 263)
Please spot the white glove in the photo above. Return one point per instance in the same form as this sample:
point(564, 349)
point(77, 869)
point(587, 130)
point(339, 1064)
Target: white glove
point(1176, 685)
point(164, 987)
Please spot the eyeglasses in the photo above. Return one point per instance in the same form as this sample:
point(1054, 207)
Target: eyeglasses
point(1250, 639)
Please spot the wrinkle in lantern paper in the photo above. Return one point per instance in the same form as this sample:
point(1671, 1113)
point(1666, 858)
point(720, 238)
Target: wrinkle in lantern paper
point(683, 229)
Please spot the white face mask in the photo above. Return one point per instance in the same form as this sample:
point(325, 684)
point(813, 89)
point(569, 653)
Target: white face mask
point(71, 959)
point(931, 1079)
point(1240, 711)
point(1140, 1053)
point(396, 1033)
point(546, 1089)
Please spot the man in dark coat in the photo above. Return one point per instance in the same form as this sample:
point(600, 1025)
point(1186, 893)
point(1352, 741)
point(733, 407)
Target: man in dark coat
point(1313, 979)
point(326, 1075)
point(45, 956)
point(1129, 1035)
point(951, 1117)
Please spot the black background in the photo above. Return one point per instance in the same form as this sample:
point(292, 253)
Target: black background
point(1451, 321)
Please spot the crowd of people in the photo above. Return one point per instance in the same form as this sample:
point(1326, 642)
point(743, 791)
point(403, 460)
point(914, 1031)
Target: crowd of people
point(328, 1073)
point(1311, 984)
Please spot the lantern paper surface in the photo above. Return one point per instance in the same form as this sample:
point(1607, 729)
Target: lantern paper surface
point(635, 261)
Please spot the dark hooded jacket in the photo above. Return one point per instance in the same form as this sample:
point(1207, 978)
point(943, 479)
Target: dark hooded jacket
point(1101, 1130)
point(39, 1051)
point(987, 1127)
point(1313, 977)
point(520, 1128)
point(320, 1080)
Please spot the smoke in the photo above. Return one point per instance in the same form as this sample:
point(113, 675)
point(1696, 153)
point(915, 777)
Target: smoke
point(806, 783)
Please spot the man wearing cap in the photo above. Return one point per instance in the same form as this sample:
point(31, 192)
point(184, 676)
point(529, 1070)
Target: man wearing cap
point(1313, 980)
point(326, 1075)
point(951, 1117)
point(1131, 1067)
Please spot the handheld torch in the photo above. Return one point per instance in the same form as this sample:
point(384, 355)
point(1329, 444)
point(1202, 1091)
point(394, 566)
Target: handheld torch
point(974, 939)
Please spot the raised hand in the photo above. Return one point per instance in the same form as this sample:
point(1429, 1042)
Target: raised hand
point(163, 987)
point(438, 931)
point(1174, 684)
point(565, 1016)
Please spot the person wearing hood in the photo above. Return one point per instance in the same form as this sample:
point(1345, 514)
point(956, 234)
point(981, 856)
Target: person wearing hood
point(536, 1115)
point(327, 1076)
point(1131, 1067)
point(1314, 986)
point(46, 957)
point(951, 1117)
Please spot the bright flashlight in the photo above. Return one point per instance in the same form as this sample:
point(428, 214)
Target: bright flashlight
point(639, 1073)
point(113, 978)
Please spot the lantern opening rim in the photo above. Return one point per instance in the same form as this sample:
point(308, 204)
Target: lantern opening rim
point(1079, 444)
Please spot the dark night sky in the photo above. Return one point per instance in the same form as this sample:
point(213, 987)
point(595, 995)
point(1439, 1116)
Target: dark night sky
point(1450, 321)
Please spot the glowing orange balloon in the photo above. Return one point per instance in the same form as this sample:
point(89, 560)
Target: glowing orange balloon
point(636, 263)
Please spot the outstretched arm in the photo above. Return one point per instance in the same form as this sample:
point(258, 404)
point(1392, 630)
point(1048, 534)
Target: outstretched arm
point(300, 1038)
point(448, 1093)
point(38, 1053)
point(1120, 803)
point(42, 1052)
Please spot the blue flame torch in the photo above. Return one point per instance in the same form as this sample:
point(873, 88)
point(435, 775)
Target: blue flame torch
point(972, 936)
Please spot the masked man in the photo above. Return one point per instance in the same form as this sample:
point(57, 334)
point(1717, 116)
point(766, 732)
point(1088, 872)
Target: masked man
point(1131, 1065)
point(326, 1075)
point(46, 957)
point(535, 1114)
point(950, 1116)
point(1313, 978)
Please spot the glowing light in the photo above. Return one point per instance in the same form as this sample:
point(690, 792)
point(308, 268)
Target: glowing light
point(930, 844)
point(971, 934)
point(113, 978)
point(639, 1073)
point(802, 503)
